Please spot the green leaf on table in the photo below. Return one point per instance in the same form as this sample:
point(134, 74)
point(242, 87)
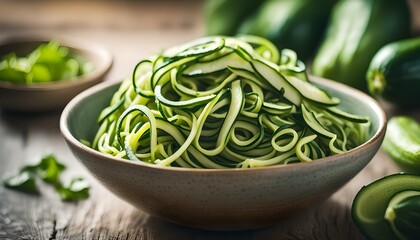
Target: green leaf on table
point(49, 170)
point(76, 189)
point(24, 181)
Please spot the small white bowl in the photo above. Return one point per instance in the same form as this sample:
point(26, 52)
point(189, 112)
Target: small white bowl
point(53, 95)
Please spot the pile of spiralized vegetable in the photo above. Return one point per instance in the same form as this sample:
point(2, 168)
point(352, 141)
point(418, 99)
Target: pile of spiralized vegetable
point(223, 102)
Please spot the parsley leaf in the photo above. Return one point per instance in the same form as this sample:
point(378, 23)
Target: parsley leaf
point(24, 182)
point(49, 170)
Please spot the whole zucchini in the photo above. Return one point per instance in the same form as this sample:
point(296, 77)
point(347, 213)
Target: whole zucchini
point(357, 30)
point(295, 24)
point(394, 72)
point(223, 17)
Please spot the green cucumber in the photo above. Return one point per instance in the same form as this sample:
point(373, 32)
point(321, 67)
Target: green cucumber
point(223, 17)
point(402, 143)
point(298, 25)
point(369, 209)
point(394, 72)
point(357, 30)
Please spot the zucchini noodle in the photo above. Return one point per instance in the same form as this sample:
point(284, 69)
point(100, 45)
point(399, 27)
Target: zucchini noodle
point(223, 102)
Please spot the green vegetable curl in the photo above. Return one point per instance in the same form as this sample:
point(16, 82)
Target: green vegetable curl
point(207, 104)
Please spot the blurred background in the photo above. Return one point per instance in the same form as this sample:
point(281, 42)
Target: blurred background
point(131, 30)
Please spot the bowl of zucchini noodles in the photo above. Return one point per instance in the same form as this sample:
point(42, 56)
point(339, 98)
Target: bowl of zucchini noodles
point(223, 133)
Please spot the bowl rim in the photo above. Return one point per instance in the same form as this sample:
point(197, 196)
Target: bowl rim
point(104, 66)
point(372, 103)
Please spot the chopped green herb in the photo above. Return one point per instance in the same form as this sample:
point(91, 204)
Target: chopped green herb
point(49, 62)
point(74, 190)
point(24, 181)
point(49, 170)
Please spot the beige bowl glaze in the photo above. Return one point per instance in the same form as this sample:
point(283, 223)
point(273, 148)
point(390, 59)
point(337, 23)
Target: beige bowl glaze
point(233, 199)
point(51, 96)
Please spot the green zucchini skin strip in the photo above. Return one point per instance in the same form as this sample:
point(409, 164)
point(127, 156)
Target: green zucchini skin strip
point(110, 110)
point(350, 117)
point(224, 102)
point(188, 103)
point(152, 120)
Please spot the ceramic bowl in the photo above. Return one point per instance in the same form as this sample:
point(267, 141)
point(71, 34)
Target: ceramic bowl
point(55, 95)
point(232, 199)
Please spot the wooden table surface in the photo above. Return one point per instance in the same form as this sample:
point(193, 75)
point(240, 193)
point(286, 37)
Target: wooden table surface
point(131, 30)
